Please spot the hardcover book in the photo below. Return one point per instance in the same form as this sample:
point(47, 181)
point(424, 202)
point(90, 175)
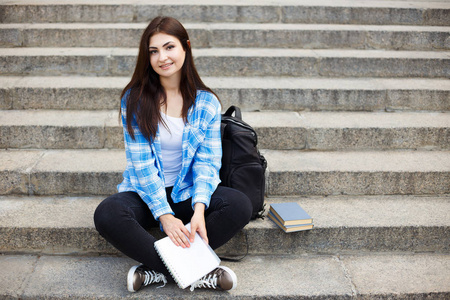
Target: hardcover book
point(289, 228)
point(290, 213)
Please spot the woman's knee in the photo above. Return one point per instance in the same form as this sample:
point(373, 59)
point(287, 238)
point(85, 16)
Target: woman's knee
point(239, 204)
point(246, 207)
point(108, 213)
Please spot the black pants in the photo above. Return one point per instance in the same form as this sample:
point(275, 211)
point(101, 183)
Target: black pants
point(123, 220)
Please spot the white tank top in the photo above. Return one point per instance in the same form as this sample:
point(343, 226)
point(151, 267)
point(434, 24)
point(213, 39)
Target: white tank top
point(171, 147)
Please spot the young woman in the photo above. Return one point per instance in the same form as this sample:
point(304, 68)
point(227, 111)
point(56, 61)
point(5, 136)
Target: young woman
point(171, 124)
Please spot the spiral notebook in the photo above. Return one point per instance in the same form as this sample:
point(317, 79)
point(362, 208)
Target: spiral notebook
point(187, 265)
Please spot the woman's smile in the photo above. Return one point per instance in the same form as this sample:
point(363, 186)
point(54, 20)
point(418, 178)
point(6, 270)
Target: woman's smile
point(166, 66)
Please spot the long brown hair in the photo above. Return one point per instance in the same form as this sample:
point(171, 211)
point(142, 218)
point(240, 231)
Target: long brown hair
point(146, 92)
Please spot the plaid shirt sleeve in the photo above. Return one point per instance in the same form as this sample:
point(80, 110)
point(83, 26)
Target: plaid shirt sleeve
point(208, 157)
point(142, 174)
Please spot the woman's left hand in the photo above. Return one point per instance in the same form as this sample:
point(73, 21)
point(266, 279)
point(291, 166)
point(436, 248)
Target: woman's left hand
point(198, 223)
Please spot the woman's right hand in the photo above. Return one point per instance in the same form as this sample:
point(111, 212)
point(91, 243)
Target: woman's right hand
point(175, 230)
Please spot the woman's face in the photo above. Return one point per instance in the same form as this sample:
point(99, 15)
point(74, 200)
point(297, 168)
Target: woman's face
point(166, 55)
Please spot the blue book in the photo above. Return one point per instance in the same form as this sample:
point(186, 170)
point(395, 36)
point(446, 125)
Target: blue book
point(289, 228)
point(290, 213)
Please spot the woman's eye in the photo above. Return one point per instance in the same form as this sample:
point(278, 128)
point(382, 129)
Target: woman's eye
point(153, 51)
point(170, 47)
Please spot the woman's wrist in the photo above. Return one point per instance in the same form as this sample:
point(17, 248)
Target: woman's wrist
point(165, 217)
point(199, 207)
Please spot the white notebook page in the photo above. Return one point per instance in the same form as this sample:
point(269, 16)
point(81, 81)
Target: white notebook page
point(187, 265)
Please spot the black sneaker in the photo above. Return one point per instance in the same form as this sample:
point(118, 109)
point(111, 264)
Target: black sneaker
point(140, 275)
point(221, 278)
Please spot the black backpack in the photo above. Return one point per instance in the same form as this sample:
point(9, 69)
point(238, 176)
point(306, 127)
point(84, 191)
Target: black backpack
point(243, 167)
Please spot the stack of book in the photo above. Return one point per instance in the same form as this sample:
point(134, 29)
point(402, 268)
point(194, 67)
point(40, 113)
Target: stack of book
point(290, 217)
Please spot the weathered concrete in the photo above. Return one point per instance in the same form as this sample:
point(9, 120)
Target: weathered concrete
point(267, 93)
point(61, 172)
point(350, 131)
point(305, 36)
point(55, 129)
point(286, 11)
point(362, 247)
point(299, 173)
point(286, 130)
point(15, 271)
point(285, 277)
point(64, 225)
point(73, 92)
point(78, 172)
point(384, 275)
point(364, 173)
point(15, 167)
point(233, 62)
point(104, 278)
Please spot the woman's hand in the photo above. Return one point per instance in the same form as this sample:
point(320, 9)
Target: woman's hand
point(198, 223)
point(175, 230)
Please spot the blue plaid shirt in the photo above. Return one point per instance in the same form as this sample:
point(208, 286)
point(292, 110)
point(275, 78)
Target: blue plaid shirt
point(201, 159)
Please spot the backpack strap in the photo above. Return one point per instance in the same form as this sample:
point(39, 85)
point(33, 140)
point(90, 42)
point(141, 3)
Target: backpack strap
point(233, 109)
point(222, 130)
point(237, 258)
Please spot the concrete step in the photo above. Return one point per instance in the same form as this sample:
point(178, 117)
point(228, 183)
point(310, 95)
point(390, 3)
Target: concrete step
point(249, 93)
point(97, 172)
point(60, 129)
point(253, 11)
point(343, 224)
point(361, 173)
point(259, 277)
point(233, 62)
point(55, 129)
point(206, 35)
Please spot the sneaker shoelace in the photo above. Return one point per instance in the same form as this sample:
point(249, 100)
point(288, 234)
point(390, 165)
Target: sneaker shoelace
point(153, 277)
point(209, 281)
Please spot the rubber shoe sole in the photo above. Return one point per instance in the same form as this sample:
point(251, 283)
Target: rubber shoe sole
point(130, 279)
point(233, 276)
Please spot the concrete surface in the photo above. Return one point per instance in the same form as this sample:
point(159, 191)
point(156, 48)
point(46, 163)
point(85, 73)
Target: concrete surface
point(346, 56)
point(286, 11)
point(58, 225)
point(233, 62)
point(336, 94)
point(62, 129)
point(294, 277)
point(269, 35)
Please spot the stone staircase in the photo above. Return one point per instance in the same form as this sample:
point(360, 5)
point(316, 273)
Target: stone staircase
point(351, 101)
